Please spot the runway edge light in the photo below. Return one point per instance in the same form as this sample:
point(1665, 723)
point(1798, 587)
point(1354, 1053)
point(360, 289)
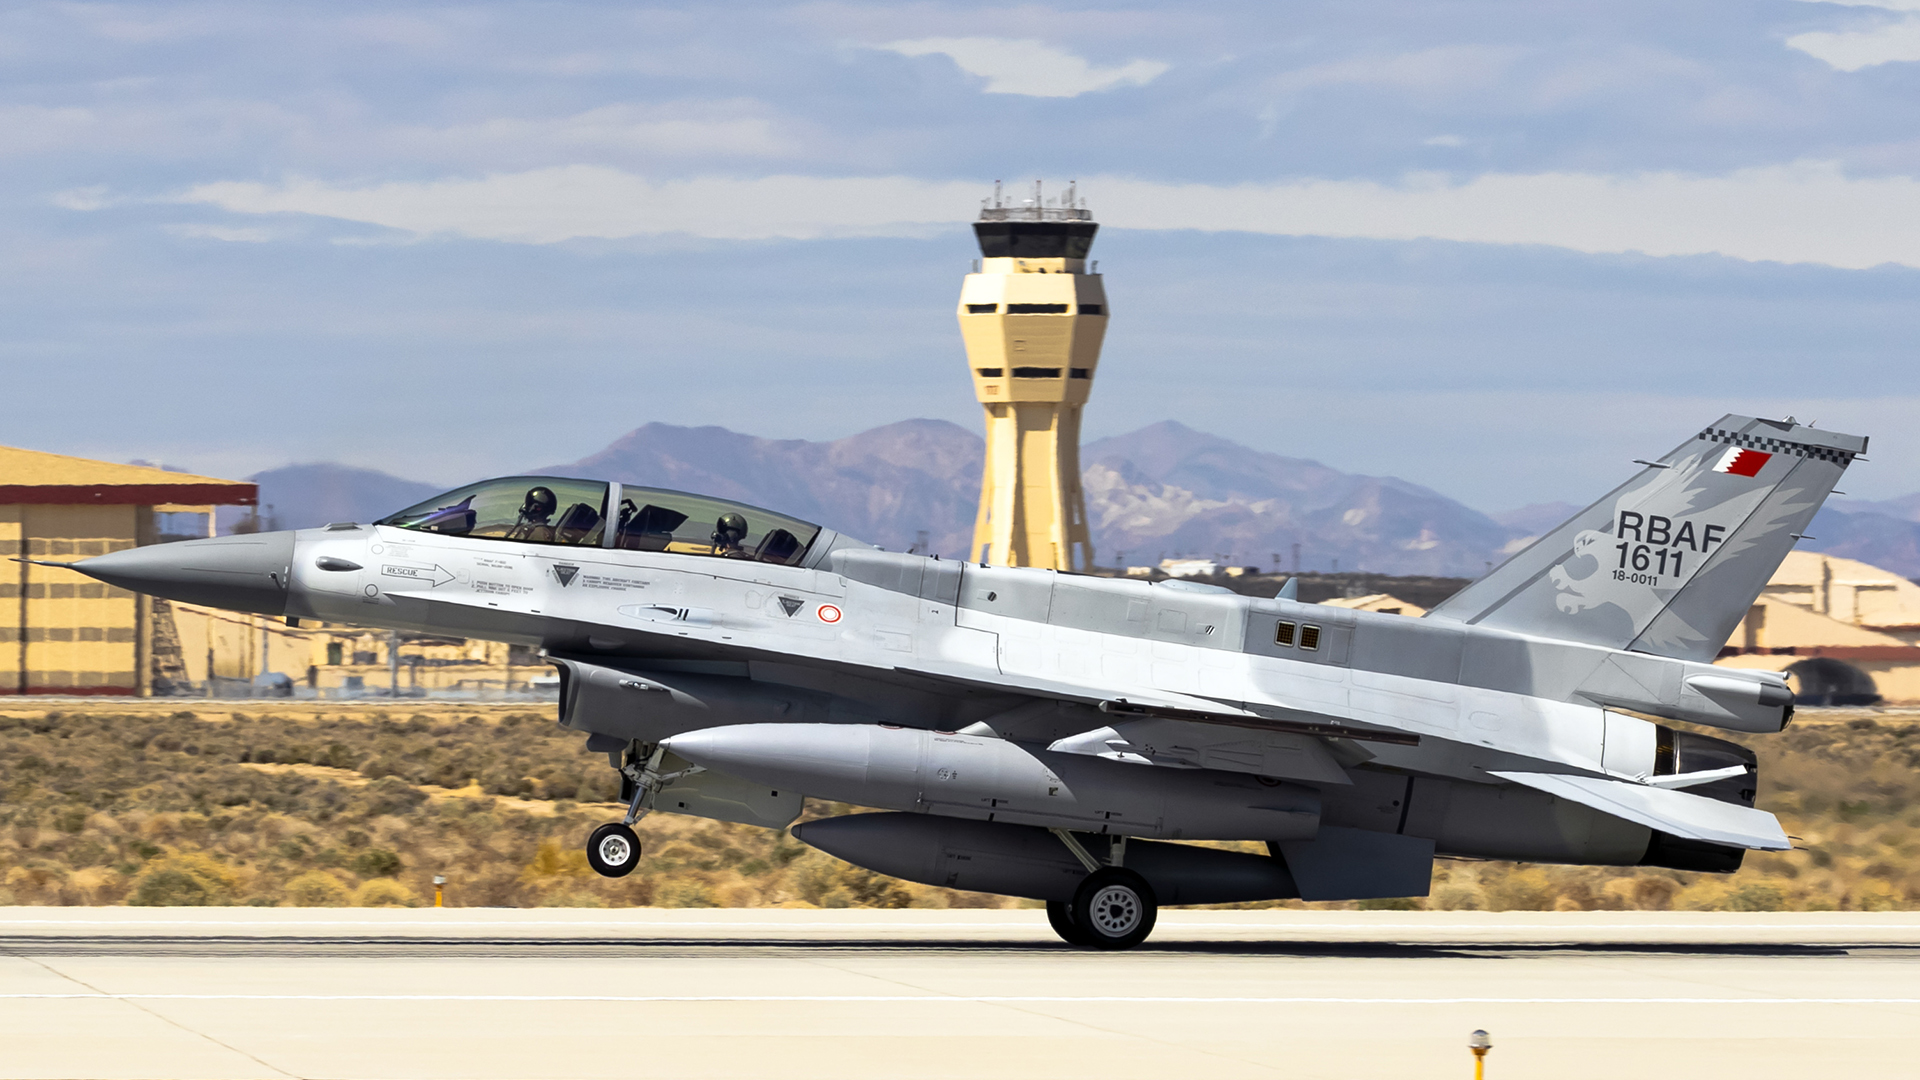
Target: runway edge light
point(1479, 1042)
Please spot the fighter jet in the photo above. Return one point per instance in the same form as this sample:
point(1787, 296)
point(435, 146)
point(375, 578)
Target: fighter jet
point(1055, 736)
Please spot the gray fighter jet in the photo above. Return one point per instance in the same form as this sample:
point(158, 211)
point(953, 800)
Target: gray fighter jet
point(1041, 734)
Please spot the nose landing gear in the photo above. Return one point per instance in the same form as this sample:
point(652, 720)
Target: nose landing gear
point(613, 849)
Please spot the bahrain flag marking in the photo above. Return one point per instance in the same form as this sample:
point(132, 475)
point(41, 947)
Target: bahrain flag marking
point(1741, 462)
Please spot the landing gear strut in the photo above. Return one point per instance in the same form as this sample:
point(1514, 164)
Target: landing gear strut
point(1114, 908)
point(613, 850)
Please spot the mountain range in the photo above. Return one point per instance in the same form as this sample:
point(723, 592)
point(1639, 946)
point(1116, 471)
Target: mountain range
point(1162, 491)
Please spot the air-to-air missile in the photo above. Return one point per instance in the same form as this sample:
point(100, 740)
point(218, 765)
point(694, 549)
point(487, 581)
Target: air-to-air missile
point(1053, 735)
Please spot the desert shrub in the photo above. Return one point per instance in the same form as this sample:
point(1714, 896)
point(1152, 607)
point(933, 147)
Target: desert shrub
point(685, 892)
point(191, 880)
point(317, 888)
point(384, 892)
point(1520, 890)
point(375, 862)
point(1755, 896)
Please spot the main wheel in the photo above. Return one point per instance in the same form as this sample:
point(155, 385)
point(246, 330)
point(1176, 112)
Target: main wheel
point(1060, 917)
point(613, 850)
point(1114, 909)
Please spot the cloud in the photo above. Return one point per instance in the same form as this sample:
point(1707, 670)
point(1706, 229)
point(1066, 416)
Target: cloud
point(718, 129)
point(226, 233)
point(1889, 5)
point(1030, 68)
point(1896, 42)
point(1444, 70)
point(1806, 212)
point(1802, 213)
point(1891, 42)
point(545, 206)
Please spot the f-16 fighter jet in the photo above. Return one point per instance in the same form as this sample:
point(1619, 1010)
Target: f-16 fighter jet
point(1045, 735)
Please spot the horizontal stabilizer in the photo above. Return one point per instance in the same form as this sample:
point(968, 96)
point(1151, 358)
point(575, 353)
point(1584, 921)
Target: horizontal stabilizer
point(1691, 817)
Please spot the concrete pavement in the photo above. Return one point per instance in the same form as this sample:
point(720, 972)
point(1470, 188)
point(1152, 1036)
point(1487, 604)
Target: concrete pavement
point(848, 995)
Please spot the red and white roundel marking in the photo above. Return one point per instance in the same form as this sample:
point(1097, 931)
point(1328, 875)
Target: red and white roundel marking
point(828, 613)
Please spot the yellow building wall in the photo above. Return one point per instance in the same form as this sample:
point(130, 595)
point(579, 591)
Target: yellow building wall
point(67, 633)
point(233, 646)
point(1774, 623)
point(1846, 610)
point(1032, 511)
point(12, 599)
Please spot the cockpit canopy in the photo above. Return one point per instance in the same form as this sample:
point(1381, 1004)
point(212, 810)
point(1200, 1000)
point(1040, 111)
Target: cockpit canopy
point(558, 510)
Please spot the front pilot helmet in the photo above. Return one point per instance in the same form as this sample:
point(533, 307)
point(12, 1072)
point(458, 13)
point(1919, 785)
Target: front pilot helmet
point(540, 504)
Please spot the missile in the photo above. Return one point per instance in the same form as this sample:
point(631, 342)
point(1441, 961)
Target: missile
point(989, 779)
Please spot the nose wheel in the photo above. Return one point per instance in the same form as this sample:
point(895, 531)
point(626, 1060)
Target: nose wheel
point(613, 850)
point(1114, 908)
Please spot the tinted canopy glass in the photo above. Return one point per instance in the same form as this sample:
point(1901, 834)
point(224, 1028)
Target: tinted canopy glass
point(520, 509)
point(651, 519)
point(555, 510)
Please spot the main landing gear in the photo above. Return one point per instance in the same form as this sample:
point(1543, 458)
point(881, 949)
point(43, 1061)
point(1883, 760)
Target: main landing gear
point(1114, 908)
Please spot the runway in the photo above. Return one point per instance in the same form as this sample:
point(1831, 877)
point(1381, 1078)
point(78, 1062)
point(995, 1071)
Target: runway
point(851, 995)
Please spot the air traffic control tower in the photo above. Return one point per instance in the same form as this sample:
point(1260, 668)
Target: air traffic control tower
point(1033, 318)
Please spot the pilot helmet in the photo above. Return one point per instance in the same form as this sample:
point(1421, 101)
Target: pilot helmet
point(730, 529)
point(540, 504)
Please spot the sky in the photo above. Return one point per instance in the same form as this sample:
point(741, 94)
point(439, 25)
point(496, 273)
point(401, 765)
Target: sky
point(1499, 249)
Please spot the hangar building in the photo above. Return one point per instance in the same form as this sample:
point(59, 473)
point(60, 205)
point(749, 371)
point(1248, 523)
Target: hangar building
point(61, 633)
point(1844, 632)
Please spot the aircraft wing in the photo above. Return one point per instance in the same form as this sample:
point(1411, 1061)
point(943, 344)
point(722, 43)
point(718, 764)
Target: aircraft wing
point(1169, 705)
point(1691, 817)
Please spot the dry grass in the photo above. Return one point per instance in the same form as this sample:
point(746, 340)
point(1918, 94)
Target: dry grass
point(142, 806)
point(146, 807)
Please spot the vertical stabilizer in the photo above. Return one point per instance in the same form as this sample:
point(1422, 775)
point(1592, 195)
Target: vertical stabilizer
point(1670, 561)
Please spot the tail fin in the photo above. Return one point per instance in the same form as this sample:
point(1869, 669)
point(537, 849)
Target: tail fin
point(1668, 562)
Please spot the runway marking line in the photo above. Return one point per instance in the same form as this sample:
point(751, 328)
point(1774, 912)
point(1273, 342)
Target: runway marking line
point(997, 925)
point(948, 999)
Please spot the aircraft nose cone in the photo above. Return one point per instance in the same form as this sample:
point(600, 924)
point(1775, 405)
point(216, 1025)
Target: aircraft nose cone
point(239, 573)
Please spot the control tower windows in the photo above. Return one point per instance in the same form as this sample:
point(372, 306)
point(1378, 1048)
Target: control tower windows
point(520, 509)
point(1035, 239)
point(1093, 309)
point(1036, 373)
point(982, 309)
point(1080, 373)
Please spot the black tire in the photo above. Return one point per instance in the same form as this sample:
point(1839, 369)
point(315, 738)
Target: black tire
point(1114, 909)
point(613, 850)
point(1060, 917)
